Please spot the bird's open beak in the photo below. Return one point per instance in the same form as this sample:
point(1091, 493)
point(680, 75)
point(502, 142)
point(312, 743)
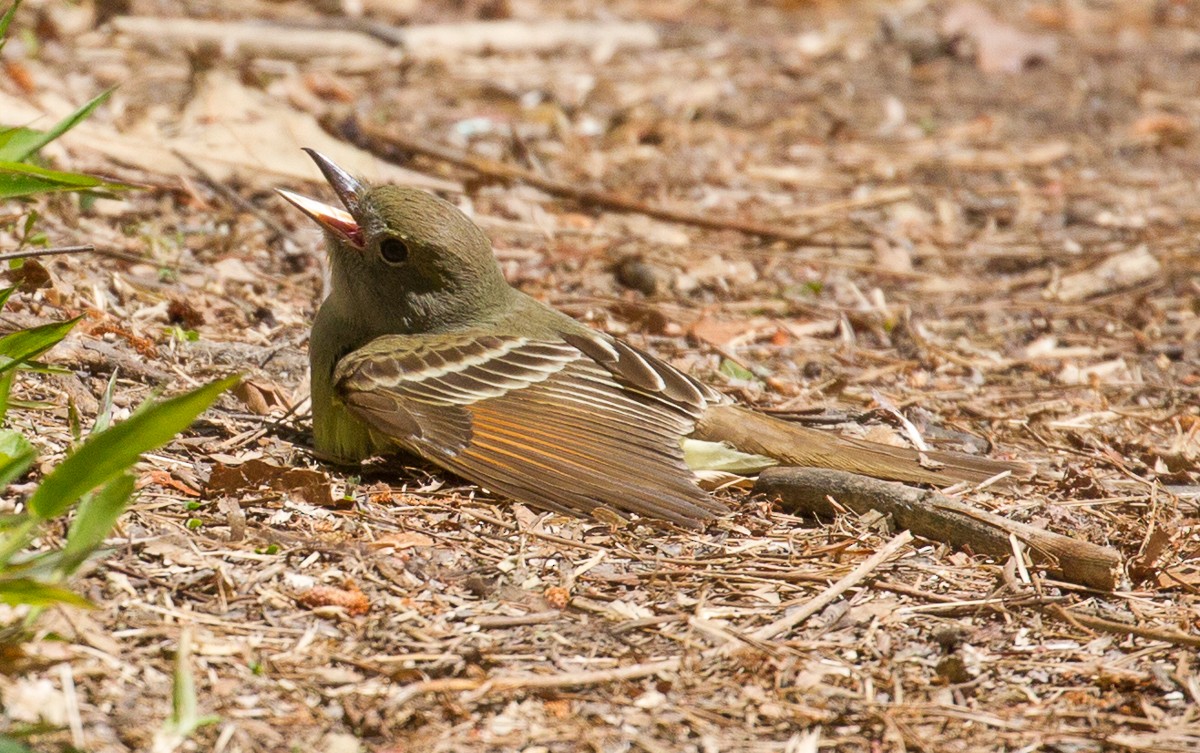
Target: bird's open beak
point(341, 222)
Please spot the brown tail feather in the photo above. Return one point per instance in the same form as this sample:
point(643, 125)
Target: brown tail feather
point(754, 432)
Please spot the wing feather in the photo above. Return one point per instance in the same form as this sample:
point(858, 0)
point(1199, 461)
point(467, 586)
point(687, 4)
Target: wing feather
point(541, 421)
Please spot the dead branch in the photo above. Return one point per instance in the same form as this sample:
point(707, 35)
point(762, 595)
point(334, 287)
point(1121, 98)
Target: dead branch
point(1120, 272)
point(32, 253)
point(636, 671)
point(1094, 622)
point(830, 595)
point(940, 518)
point(513, 35)
point(252, 38)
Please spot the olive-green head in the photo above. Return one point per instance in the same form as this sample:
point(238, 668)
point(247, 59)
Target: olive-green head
point(403, 259)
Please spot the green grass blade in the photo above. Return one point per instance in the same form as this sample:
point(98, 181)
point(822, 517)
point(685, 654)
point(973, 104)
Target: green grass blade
point(28, 343)
point(185, 719)
point(6, 19)
point(16, 455)
point(104, 416)
point(14, 539)
point(26, 142)
point(9, 745)
point(11, 138)
point(34, 593)
point(38, 367)
point(94, 519)
point(6, 383)
point(106, 455)
point(4, 294)
point(18, 179)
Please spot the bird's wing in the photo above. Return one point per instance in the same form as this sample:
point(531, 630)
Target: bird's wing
point(543, 421)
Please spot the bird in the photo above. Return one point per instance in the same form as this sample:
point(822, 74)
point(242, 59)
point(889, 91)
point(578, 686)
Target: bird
point(422, 346)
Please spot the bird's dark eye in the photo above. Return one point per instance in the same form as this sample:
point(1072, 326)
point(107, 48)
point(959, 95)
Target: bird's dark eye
point(393, 250)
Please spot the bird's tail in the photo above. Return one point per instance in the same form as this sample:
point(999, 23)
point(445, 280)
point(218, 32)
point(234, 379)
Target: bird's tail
point(791, 444)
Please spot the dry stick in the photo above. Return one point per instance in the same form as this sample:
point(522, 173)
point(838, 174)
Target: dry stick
point(372, 138)
point(84, 249)
point(1088, 621)
point(233, 197)
point(829, 595)
point(636, 671)
point(60, 250)
point(493, 621)
point(526, 682)
point(1120, 628)
point(940, 518)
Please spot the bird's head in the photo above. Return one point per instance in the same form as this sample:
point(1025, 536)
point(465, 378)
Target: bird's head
point(402, 259)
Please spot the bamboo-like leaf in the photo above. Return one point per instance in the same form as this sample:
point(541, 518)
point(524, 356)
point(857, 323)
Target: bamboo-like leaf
point(94, 519)
point(9, 745)
point(35, 593)
point(14, 538)
point(18, 179)
point(24, 344)
point(16, 455)
point(6, 382)
point(25, 142)
point(6, 19)
point(104, 415)
point(106, 455)
point(185, 718)
point(735, 370)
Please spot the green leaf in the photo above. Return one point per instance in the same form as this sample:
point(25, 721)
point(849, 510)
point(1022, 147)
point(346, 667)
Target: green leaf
point(15, 538)
point(26, 142)
point(14, 135)
point(37, 367)
point(735, 370)
point(16, 455)
point(184, 719)
point(106, 455)
point(6, 19)
point(104, 416)
point(95, 518)
point(9, 745)
point(17, 591)
point(6, 382)
point(4, 294)
point(24, 344)
point(18, 179)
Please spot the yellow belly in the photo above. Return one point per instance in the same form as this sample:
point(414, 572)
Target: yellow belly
point(339, 436)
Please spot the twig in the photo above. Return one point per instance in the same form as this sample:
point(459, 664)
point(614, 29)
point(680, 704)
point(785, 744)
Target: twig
point(940, 518)
point(233, 197)
point(377, 139)
point(841, 206)
point(1120, 628)
point(829, 595)
point(494, 621)
point(74, 720)
point(502, 684)
point(529, 682)
point(58, 251)
point(516, 35)
point(253, 39)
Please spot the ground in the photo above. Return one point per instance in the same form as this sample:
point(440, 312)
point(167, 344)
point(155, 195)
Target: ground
point(981, 215)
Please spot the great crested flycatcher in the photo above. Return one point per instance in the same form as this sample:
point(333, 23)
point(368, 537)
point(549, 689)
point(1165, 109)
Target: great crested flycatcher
point(422, 345)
